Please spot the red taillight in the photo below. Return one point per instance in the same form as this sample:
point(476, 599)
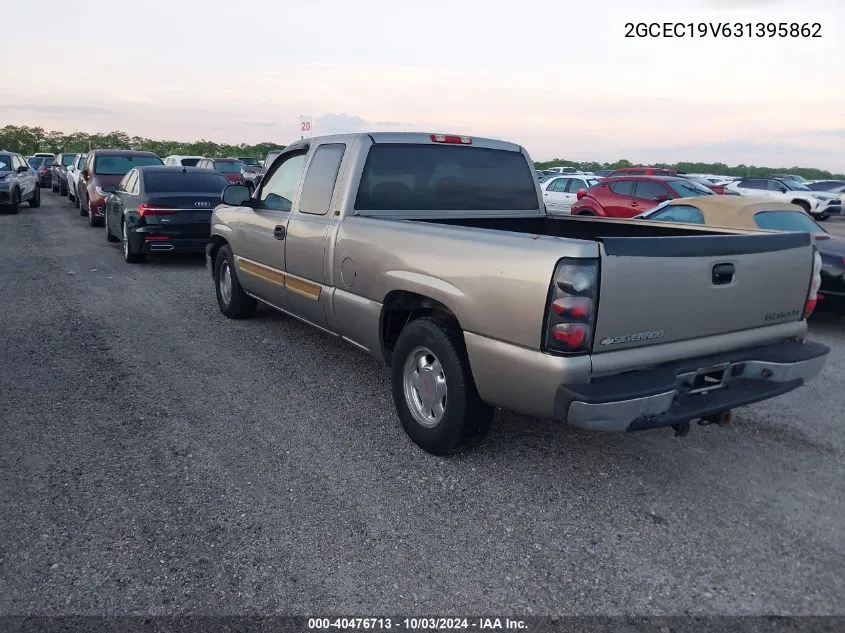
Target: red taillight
point(571, 314)
point(572, 335)
point(580, 193)
point(145, 210)
point(451, 138)
point(815, 284)
point(156, 238)
point(577, 307)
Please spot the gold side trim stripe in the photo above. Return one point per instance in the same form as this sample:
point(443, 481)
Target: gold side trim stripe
point(262, 272)
point(312, 291)
point(299, 286)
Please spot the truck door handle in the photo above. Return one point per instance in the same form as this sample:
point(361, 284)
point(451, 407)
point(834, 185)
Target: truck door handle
point(723, 274)
point(279, 232)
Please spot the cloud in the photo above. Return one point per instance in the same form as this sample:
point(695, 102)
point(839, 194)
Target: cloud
point(728, 4)
point(61, 109)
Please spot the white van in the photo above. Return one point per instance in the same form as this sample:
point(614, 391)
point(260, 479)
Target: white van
point(183, 161)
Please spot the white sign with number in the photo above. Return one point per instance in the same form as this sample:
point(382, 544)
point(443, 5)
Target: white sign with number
point(305, 126)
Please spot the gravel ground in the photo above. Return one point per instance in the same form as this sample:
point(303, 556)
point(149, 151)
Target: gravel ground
point(157, 458)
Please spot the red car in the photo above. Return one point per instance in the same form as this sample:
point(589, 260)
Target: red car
point(102, 171)
point(231, 168)
point(627, 196)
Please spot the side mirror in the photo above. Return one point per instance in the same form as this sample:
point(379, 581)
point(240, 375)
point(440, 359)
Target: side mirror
point(109, 188)
point(783, 189)
point(661, 198)
point(23, 169)
point(236, 195)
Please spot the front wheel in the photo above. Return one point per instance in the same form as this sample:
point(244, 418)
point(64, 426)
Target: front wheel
point(433, 389)
point(15, 201)
point(232, 300)
point(35, 200)
point(109, 236)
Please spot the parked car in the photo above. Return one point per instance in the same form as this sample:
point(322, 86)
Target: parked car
point(434, 253)
point(254, 181)
point(182, 161)
point(561, 170)
point(642, 171)
point(102, 171)
point(826, 185)
point(41, 166)
point(73, 178)
point(602, 173)
point(715, 186)
point(59, 173)
point(231, 168)
point(626, 196)
point(44, 155)
point(744, 213)
point(559, 192)
point(162, 209)
point(18, 182)
point(819, 204)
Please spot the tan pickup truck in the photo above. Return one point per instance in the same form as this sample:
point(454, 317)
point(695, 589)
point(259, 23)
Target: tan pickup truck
point(434, 253)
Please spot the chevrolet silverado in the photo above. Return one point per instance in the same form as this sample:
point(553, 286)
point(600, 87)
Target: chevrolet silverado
point(434, 253)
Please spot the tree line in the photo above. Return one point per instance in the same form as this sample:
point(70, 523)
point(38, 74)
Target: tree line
point(717, 169)
point(29, 140)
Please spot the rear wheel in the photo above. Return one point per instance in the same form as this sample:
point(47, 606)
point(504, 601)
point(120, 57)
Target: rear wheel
point(231, 298)
point(130, 255)
point(93, 220)
point(433, 389)
point(35, 200)
point(83, 207)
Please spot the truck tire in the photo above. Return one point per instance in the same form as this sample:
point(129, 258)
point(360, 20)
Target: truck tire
point(231, 298)
point(433, 389)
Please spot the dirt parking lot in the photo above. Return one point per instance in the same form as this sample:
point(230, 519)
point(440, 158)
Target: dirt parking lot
point(156, 457)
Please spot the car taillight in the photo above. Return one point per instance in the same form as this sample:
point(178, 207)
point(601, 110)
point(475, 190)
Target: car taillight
point(571, 312)
point(815, 284)
point(580, 193)
point(451, 138)
point(145, 210)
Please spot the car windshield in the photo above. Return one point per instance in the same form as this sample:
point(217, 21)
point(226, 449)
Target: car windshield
point(184, 182)
point(796, 221)
point(689, 189)
point(119, 165)
point(445, 178)
point(795, 186)
point(5, 163)
point(228, 166)
point(189, 162)
point(67, 159)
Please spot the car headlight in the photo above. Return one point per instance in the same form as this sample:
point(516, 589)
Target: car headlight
point(6, 178)
point(818, 196)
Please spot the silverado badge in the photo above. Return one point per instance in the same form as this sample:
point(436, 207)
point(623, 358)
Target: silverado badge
point(633, 338)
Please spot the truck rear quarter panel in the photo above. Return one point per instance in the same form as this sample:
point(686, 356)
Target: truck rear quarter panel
point(496, 283)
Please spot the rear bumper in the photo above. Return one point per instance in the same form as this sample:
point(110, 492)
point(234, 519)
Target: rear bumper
point(662, 396)
point(153, 239)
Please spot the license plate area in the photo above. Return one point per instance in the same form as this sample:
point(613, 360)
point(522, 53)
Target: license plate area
point(708, 378)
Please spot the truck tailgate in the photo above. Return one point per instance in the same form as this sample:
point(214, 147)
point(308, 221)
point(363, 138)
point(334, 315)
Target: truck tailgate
point(664, 289)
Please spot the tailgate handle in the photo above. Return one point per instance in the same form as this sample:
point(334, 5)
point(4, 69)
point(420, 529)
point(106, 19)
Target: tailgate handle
point(723, 274)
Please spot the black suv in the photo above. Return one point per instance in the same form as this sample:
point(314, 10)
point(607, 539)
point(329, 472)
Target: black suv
point(59, 172)
point(18, 182)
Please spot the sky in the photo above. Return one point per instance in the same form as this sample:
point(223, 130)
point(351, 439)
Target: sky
point(558, 77)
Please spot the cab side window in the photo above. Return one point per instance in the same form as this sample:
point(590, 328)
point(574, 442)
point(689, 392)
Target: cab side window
point(278, 190)
point(320, 181)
